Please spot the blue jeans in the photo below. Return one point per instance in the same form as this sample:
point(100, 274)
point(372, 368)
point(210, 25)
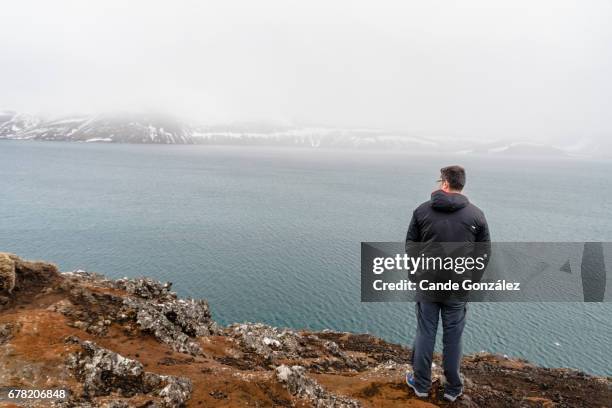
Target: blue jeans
point(453, 321)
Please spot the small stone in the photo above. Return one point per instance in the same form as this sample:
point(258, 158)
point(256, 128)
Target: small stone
point(80, 325)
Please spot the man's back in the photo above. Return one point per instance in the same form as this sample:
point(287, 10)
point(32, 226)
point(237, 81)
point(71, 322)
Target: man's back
point(448, 217)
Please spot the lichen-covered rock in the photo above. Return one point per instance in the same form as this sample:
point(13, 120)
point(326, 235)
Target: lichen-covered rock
point(6, 332)
point(137, 304)
point(7, 273)
point(176, 391)
point(34, 276)
point(115, 404)
point(146, 288)
point(104, 372)
point(174, 322)
point(275, 345)
point(298, 384)
point(90, 310)
point(268, 342)
point(191, 315)
point(21, 279)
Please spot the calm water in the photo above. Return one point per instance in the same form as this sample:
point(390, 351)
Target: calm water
point(273, 235)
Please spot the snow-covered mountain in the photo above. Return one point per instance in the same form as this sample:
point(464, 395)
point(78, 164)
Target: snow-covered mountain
point(529, 149)
point(97, 128)
point(165, 129)
point(311, 137)
point(13, 123)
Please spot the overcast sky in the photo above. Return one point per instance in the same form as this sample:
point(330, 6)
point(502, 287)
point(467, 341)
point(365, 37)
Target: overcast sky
point(472, 68)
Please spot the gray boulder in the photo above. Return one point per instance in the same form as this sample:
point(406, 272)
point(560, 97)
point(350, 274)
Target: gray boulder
point(104, 372)
point(298, 384)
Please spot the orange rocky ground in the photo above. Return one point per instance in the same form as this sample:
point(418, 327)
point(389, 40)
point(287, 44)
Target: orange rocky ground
point(133, 343)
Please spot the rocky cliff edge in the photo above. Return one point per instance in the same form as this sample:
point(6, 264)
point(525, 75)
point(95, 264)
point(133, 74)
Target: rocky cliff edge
point(133, 343)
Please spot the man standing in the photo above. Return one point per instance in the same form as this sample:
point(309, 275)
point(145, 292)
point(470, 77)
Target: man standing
point(447, 217)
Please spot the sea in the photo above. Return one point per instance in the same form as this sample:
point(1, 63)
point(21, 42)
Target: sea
point(271, 234)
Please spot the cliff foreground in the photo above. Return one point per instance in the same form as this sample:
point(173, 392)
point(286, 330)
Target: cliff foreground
point(134, 343)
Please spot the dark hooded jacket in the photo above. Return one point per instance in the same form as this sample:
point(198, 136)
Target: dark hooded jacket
point(448, 217)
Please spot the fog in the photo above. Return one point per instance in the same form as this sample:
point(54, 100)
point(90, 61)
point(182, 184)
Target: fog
point(478, 69)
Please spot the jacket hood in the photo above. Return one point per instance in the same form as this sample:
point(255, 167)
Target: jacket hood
point(448, 202)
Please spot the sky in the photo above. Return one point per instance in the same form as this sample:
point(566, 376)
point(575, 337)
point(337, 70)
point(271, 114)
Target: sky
point(479, 69)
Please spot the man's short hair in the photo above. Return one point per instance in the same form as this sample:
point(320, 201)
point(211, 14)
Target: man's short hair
point(454, 176)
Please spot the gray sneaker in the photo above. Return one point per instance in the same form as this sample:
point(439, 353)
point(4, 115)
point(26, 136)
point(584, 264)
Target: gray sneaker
point(411, 384)
point(452, 398)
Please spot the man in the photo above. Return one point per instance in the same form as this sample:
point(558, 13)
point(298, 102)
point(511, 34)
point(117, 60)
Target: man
point(447, 217)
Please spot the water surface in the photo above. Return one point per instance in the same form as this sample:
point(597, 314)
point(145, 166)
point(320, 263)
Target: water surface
point(273, 235)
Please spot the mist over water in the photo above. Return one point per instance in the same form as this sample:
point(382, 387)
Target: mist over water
point(273, 234)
